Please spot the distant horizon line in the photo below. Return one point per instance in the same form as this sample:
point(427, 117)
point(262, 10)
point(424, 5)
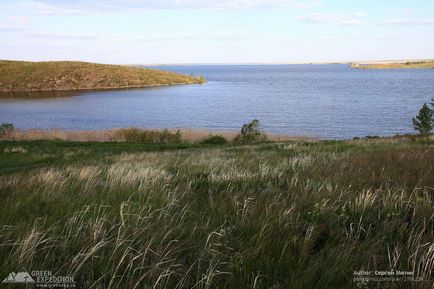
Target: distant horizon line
point(284, 63)
point(245, 63)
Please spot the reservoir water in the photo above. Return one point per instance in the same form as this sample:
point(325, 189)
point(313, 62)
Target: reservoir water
point(326, 101)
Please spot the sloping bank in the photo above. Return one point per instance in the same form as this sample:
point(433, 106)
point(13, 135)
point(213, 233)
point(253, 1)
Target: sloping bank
point(22, 76)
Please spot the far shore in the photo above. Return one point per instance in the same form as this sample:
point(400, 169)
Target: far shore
point(427, 64)
point(117, 135)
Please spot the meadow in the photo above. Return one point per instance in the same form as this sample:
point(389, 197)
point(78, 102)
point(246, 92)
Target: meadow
point(294, 214)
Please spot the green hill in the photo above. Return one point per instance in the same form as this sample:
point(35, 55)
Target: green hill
point(74, 75)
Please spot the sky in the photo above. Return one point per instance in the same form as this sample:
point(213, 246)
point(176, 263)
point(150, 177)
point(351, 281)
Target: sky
point(207, 31)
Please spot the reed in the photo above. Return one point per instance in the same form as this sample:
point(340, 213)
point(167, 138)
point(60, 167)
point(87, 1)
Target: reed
point(131, 135)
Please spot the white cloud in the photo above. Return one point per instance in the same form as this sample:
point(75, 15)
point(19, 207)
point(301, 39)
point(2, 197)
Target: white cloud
point(407, 21)
point(359, 14)
point(338, 38)
point(14, 23)
point(187, 38)
point(87, 6)
point(63, 36)
point(350, 19)
point(350, 22)
point(51, 9)
point(12, 28)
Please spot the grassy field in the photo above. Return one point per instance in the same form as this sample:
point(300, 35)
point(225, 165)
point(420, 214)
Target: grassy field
point(19, 76)
point(271, 215)
point(399, 65)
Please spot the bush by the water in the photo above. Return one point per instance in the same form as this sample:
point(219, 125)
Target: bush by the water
point(6, 128)
point(251, 132)
point(150, 136)
point(215, 140)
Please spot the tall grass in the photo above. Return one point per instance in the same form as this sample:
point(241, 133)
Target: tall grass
point(128, 135)
point(148, 136)
point(290, 215)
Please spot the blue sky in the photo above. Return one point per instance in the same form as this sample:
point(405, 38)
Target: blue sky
point(228, 31)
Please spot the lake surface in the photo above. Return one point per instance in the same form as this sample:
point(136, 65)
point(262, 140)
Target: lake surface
point(326, 101)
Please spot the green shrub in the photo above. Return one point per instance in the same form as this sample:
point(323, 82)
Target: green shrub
point(6, 128)
point(214, 140)
point(150, 136)
point(251, 132)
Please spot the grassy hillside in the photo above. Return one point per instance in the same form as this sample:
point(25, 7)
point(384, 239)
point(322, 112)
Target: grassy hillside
point(408, 64)
point(71, 75)
point(276, 215)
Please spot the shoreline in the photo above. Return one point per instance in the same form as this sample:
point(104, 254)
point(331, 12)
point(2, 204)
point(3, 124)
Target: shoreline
point(84, 89)
point(118, 135)
point(426, 64)
point(187, 135)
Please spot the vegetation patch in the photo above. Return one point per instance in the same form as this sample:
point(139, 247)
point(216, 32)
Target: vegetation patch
point(214, 140)
point(250, 133)
point(149, 136)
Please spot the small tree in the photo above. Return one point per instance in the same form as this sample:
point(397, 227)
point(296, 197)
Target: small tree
point(424, 122)
point(251, 132)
